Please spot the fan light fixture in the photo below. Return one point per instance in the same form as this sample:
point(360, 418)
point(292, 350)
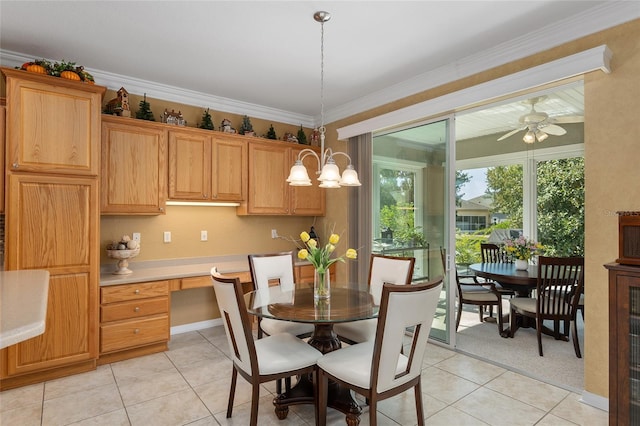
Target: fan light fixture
point(327, 168)
point(534, 134)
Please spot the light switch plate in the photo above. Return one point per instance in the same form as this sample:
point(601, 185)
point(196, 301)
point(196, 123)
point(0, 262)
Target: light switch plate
point(203, 236)
point(167, 236)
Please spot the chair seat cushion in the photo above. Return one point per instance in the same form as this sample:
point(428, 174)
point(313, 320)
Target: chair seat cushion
point(274, 326)
point(357, 331)
point(284, 352)
point(353, 364)
point(470, 288)
point(523, 304)
point(480, 296)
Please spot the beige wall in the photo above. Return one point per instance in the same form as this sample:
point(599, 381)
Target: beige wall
point(612, 155)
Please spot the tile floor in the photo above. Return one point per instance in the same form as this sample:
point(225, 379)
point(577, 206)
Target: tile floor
point(189, 385)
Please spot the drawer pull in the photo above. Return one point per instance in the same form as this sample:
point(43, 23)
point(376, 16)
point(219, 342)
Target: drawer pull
point(136, 309)
point(137, 291)
point(136, 331)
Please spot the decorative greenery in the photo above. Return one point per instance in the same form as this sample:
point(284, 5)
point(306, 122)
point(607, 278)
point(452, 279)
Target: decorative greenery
point(207, 121)
point(521, 248)
point(145, 113)
point(246, 126)
point(302, 138)
point(57, 68)
point(271, 134)
point(320, 258)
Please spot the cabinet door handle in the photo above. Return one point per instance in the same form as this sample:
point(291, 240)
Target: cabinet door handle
point(137, 291)
point(136, 331)
point(136, 309)
point(15, 165)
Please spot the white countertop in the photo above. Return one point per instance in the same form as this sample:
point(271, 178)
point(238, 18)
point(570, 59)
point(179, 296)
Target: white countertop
point(23, 305)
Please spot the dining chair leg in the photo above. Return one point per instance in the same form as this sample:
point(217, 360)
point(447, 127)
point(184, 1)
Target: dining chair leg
point(458, 315)
point(576, 342)
point(323, 384)
point(481, 311)
point(232, 391)
point(513, 323)
point(419, 408)
point(539, 325)
point(255, 399)
point(373, 411)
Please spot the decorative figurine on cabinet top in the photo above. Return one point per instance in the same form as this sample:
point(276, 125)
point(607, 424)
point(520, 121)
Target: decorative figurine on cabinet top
point(173, 117)
point(119, 105)
point(226, 126)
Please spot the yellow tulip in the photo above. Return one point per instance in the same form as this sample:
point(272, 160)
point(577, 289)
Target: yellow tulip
point(330, 248)
point(351, 254)
point(312, 243)
point(334, 238)
point(302, 254)
point(304, 237)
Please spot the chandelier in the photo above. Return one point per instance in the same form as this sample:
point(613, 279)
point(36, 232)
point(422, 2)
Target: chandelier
point(327, 168)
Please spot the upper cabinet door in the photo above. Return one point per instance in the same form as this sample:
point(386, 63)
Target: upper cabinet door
point(229, 169)
point(134, 167)
point(268, 170)
point(307, 200)
point(189, 166)
point(53, 124)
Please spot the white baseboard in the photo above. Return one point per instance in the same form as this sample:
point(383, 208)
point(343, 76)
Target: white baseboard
point(595, 400)
point(195, 326)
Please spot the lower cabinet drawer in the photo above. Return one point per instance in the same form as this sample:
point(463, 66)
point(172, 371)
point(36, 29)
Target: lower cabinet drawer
point(127, 334)
point(134, 309)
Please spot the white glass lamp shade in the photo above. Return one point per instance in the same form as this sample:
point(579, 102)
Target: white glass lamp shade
point(540, 135)
point(350, 177)
point(329, 171)
point(298, 175)
point(329, 184)
point(529, 137)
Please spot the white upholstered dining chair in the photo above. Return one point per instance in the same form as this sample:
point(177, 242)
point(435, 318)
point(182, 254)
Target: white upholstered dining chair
point(276, 269)
point(271, 358)
point(379, 369)
point(382, 269)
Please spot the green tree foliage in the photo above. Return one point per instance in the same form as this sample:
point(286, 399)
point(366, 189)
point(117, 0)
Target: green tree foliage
point(561, 206)
point(461, 179)
point(271, 133)
point(302, 138)
point(246, 126)
point(504, 184)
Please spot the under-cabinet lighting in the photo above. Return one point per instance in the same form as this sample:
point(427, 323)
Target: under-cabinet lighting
point(201, 204)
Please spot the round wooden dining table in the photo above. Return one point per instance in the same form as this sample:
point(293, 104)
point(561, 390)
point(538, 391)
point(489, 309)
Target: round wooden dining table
point(346, 304)
point(506, 274)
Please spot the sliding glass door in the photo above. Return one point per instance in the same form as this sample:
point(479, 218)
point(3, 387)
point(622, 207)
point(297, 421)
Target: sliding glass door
point(410, 206)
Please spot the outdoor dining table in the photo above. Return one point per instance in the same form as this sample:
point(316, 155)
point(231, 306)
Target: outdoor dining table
point(346, 304)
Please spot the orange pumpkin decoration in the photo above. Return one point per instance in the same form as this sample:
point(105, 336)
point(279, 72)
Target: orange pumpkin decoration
point(36, 68)
point(70, 75)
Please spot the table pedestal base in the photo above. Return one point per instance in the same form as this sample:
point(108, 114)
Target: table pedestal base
point(325, 340)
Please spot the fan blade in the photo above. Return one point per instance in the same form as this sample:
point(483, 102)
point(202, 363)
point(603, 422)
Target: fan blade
point(552, 129)
point(511, 133)
point(568, 119)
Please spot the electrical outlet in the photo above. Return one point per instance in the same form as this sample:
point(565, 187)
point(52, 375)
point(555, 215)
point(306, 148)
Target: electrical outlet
point(274, 234)
point(167, 236)
point(203, 236)
point(136, 236)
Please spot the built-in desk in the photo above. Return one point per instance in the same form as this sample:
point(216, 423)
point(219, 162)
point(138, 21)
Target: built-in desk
point(23, 305)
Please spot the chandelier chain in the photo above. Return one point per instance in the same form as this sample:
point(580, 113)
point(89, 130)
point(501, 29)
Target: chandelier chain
point(321, 76)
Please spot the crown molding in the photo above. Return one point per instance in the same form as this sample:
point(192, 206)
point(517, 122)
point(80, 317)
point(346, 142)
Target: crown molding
point(590, 21)
point(176, 94)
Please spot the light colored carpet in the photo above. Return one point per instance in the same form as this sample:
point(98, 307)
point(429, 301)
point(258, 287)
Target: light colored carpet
point(559, 365)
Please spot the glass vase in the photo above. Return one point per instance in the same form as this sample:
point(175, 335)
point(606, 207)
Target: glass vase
point(522, 265)
point(321, 285)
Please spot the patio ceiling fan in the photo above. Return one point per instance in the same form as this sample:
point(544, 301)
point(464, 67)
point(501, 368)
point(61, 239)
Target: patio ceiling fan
point(539, 125)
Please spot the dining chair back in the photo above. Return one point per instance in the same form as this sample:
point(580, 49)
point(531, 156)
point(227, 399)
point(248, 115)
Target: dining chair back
point(558, 290)
point(492, 253)
point(380, 369)
point(271, 358)
point(276, 269)
point(382, 270)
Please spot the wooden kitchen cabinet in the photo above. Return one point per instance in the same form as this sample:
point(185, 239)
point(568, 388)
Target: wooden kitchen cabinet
point(624, 344)
point(134, 167)
point(134, 320)
point(304, 273)
point(268, 191)
point(3, 115)
point(206, 167)
point(53, 124)
point(52, 223)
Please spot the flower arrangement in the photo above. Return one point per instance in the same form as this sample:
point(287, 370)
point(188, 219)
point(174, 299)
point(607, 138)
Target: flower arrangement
point(521, 248)
point(320, 258)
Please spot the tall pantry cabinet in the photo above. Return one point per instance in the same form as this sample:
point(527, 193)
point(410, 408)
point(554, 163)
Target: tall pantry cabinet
point(52, 218)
